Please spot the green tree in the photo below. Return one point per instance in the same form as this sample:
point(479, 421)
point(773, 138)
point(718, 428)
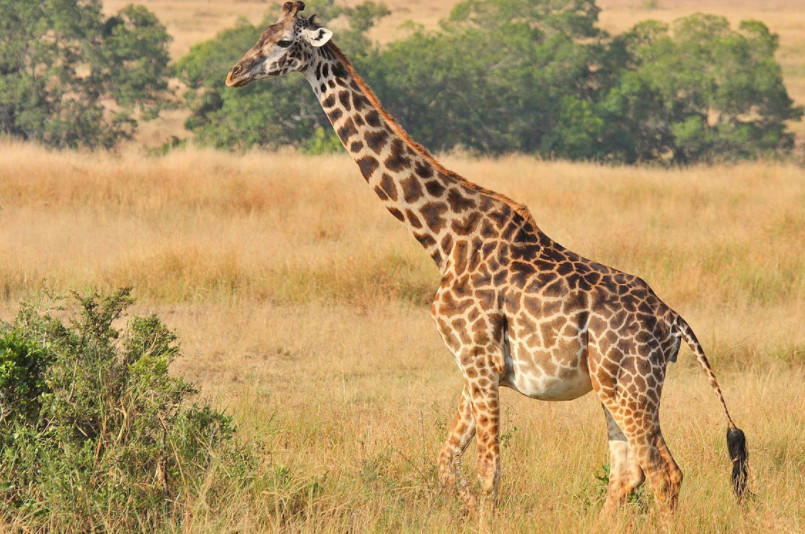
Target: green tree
point(70, 77)
point(702, 93)
point(533, 76)
point(266, 114)
point(498, 76)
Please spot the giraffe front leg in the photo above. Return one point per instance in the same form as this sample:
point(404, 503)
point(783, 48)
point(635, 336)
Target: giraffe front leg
point(486, 409)
point(461, 432)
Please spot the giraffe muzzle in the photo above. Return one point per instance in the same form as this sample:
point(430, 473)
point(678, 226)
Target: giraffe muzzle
point(232, 80)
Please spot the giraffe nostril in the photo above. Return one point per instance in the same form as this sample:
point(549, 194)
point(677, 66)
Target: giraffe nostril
point(236, 69)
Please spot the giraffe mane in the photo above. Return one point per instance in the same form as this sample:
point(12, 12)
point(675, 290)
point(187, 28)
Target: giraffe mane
point(516, 207)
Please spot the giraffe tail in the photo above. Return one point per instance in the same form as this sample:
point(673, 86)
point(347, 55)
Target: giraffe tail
point(736, 440)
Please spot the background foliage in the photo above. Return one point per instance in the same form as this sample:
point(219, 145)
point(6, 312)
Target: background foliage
point(267, 114)
point(703, 92)
point(532, 76)
point(70, 77)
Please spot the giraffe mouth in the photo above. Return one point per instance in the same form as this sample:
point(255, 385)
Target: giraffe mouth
point(233, 81)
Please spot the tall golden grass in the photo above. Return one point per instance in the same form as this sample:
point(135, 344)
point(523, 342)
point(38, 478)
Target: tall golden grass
point(302, 308)
point(723, 244)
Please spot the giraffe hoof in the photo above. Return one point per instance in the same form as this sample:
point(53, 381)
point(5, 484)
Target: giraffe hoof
point(470, 508)
point(470, 503)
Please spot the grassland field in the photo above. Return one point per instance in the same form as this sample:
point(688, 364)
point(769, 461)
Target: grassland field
point(302, 309)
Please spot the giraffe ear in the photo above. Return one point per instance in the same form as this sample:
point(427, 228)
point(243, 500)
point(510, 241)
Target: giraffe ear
point(317, 37)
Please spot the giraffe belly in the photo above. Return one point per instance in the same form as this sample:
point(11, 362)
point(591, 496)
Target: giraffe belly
point(547, 375)
point(549, 388)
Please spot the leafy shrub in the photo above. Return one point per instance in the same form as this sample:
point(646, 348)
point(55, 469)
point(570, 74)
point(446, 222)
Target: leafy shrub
point(95, 434)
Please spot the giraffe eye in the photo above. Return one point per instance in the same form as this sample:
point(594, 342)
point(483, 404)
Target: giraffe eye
point(284, 43)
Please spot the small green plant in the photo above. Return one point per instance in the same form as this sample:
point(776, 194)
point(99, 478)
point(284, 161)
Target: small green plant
point(22, 364)
point(506, 436)
point(636, 497)
point(593, 497)
point(173, 143)
point(96, 434)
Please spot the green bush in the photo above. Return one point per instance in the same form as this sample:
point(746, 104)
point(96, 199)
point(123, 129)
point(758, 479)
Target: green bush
point(96, 435)
point(698, 91)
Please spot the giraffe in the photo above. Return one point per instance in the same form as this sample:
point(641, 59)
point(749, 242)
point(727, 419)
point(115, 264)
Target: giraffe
point(515, 308)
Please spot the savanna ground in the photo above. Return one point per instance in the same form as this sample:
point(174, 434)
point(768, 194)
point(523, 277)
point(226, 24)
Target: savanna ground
point(302, 308)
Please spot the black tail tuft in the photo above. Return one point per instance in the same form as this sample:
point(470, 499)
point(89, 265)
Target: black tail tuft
point(736, 443)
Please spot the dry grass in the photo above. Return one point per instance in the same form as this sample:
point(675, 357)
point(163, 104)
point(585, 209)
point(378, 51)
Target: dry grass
point(353, 406)
point(718, 243)
point(301, 307)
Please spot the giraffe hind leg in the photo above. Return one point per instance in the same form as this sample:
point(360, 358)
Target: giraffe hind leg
point(641, 428)
point(625, 473)
point(461, 433)
point(674, 472)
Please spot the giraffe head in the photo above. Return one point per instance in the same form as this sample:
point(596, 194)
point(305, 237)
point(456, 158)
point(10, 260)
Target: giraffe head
point(283, 47)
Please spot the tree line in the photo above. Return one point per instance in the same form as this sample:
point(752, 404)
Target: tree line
point(497, 76)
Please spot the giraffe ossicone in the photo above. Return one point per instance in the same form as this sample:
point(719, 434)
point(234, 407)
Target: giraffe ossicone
point(514, 307)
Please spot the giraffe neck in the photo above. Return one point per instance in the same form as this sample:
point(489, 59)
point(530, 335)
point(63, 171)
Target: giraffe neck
point(437, 206)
